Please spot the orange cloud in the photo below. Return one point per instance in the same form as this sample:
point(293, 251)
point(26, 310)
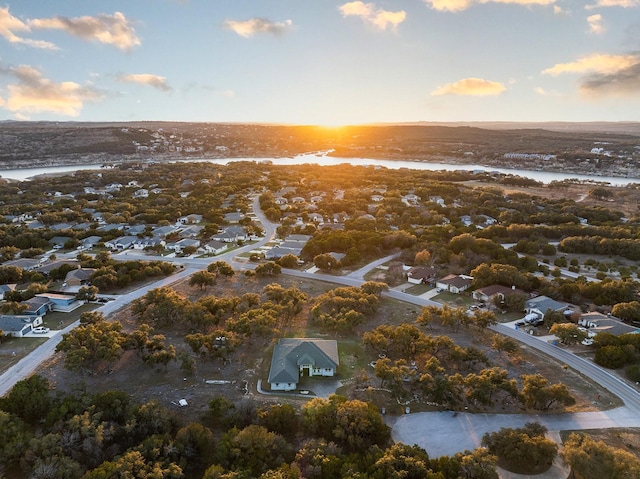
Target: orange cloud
point(114, 29)
point(369, 13)
point(10, 26)
point(615, 3)
point(459, 5)
point(148, 79)
point(595, 24)
point(470, 87)
point(597, 63)
point(252, 26)
point(34, 94)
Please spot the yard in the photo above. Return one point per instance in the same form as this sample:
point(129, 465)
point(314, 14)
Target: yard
point(238, 377)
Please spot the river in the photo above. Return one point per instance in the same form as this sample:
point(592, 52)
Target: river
point(324, 160)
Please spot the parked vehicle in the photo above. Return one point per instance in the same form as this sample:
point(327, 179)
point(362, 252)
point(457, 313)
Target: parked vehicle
point(41, 330)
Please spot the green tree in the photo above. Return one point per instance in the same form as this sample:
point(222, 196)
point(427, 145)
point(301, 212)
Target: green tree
point(29, 399)
point(89, 344)
point(522, 450)
point(568, 333)
point(202, 279)
point(537, 393)
point(591, 459)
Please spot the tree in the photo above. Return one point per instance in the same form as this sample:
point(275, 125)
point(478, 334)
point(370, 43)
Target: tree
point(88, 344)
point(133, 465)
point(422, 257)
point(268, 269)
point(505, 343)
point(537, 393)
point(326, 262)
point(627, 311)
point(591, 459)
point(202, 279)
point(522, 450)
point(288, 261)
point(253, 449)
point(87, 293)
point(221, 268)
point(568, 333)
point(29, 399)
point(478, 464)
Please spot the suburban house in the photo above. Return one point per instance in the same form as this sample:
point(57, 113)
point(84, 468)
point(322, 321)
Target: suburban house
point(294, 357)
point(90, 241)
point(121, 243)
point(214, 247)
point(421, 274)
point(190, 219)
point(231, 234)
point(489, 293)
point(6, 288)
point(454, 283)
point(600, 323)
point(541, 304)
point(142, 243)
point(18, 325)
point(37, 306)
point(179, 246)
point(79, 276)
point(60, 302)
point(233, 217)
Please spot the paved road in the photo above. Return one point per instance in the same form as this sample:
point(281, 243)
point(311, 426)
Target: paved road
point(440, 433)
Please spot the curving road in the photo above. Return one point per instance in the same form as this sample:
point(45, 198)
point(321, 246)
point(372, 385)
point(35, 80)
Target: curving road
point(440, 433)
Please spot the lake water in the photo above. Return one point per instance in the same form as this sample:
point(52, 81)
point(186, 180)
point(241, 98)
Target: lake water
point(323, 160)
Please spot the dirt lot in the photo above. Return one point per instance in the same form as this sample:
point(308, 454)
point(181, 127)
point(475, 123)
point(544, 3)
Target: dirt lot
point(238, 378)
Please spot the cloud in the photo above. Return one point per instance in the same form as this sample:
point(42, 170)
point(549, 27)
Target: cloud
point(614, 3)
point(369, 13)
point(559, 10)
point(114, 29)
point(604, 75)
point(470, 87)
point(624, 82)
point(227, 93)
point(148, 79)
point(252, 26)
point(598, 63)
point(595, 24)
point(459, 5)
point(542, 92)
point(34, 94)
point(10, 26)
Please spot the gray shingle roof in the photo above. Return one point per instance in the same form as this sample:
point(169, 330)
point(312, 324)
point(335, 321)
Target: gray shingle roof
point(290, 353)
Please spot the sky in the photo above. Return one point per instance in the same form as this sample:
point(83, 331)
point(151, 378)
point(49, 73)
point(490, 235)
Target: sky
point(320, 62)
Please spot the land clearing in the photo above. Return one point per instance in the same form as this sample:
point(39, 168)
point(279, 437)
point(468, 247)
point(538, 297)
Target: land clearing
point(237, 378)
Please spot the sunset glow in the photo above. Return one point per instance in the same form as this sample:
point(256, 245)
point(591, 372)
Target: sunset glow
point(330, 63)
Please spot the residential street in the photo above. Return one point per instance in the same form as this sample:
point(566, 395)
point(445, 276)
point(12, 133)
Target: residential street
point(440, 433)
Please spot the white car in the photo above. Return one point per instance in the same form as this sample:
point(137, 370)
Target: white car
point(587, 341)
point(41, 330)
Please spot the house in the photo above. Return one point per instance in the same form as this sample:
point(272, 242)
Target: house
point(280, 200)
point(231, 234)
point(164, 231)
point(6, 288)
point(454, 283)
point(233, 217)
point(278, 252)
point(294, 357)
point(58, 242)
point(488, 293)
point(18, 325)
point(179, 246)
point(541, 304)
point(48, 266)
point(27, 264)
point(421, 274)
point(60, 302)
point(37, 306)
point(191, 231)
point(214, 247)
point(141, 193)
point(190, 219)
point(600, 323)
point(143, 243)
point(121, 243)
point(90, 241)
point(79, 276)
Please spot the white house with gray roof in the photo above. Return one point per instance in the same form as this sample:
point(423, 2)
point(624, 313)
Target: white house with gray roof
point(294, 357)
point(541, 304)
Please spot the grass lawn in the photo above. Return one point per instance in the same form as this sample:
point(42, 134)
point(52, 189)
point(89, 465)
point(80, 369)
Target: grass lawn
point(454, 300)
point(418, 289)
